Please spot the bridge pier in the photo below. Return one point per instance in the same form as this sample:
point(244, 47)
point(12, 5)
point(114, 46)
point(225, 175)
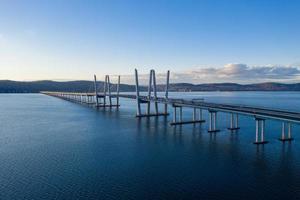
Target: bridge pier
point(213, 121)
point(234, 122)
point(175, 122)
point(259, 131)
point(283, 137)
point(180, 122)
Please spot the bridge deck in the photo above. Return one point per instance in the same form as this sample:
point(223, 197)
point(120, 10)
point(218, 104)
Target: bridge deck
point(230, 108)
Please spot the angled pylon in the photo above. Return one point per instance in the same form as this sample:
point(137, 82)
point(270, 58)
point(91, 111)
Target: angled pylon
point(152, 87)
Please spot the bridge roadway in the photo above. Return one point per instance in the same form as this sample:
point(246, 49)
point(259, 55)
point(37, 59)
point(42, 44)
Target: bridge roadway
point(231, 108)
point(257, 112)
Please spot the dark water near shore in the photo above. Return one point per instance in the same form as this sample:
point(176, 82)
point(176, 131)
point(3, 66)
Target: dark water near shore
point(54, 149)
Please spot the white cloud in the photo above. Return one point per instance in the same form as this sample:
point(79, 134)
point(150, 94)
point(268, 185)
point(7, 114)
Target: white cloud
point(238, 73)
point(241, 73)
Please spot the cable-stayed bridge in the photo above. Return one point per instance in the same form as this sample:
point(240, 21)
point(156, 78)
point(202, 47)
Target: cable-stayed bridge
point(107, 98)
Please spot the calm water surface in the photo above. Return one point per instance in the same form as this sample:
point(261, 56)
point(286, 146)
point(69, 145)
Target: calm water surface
point(54, 149)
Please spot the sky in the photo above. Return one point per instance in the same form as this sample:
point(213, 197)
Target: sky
point(200, 41)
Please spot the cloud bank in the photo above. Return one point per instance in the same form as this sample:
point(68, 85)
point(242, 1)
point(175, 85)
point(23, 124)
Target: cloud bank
point(240, 73)
point(237, 73)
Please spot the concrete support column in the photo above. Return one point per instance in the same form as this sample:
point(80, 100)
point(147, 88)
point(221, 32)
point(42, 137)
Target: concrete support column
point(210, 121)
point(194, 114)
point(283, 131)
point(289, 131)
point(283, 137)
point(260, 131)
point(167, 91)
point(213, 121)
point(200, 115)
point(118, 90)
point(180, 113)
point(181, 121)
point(174, 114)
point(256, 130)
point(234, 122)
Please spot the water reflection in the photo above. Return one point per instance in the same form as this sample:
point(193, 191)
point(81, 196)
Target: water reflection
point(110, 153)
point(234, 136)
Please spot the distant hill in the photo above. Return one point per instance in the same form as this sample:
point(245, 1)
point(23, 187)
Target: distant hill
point(7, 86)
point(234, 87)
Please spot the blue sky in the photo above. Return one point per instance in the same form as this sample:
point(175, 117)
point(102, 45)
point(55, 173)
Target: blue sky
point(200, 41)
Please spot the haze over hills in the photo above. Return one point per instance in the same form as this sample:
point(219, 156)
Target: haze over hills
point(7, 86)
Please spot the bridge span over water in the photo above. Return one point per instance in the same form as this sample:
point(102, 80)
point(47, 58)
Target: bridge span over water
point(107, 98)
